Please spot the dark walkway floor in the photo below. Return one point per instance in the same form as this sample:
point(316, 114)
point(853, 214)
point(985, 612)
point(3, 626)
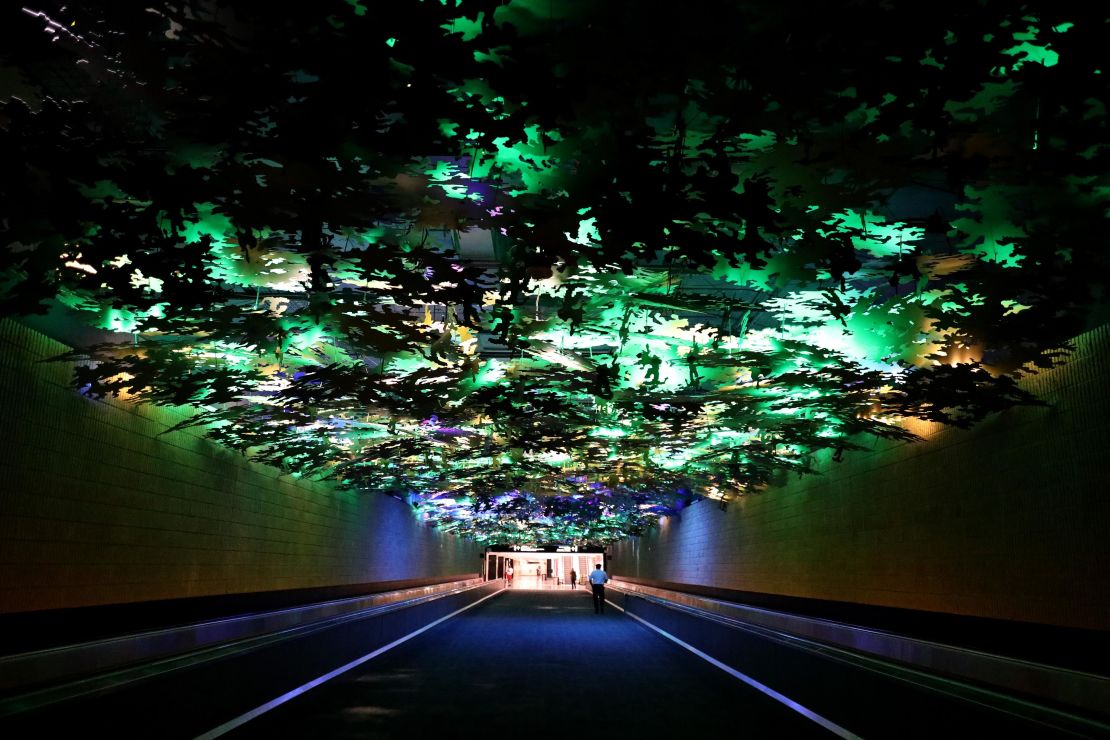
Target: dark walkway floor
point(533, 664)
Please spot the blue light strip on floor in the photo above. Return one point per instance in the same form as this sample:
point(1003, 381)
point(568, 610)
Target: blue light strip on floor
point(785, 700)
point(242, 719)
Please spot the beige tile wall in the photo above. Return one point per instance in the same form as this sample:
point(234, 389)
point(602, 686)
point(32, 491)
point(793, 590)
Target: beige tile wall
point(1010, 519)
point(96, 507)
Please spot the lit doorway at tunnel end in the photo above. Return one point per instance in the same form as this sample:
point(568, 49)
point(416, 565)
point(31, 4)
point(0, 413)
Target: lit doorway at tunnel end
point(542, 567)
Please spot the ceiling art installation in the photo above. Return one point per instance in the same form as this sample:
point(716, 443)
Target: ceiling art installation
point(551, 270)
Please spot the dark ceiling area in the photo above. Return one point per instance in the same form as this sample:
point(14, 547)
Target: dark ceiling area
point(548, 271)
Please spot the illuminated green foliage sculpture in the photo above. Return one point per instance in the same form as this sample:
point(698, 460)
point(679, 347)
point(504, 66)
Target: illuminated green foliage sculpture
point(551, 270)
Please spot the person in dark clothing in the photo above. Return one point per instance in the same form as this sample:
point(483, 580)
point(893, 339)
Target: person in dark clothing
point(573, 579)
point(598, 579)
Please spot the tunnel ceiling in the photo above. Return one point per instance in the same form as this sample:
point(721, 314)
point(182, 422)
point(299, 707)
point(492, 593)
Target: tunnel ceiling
point(551, 270)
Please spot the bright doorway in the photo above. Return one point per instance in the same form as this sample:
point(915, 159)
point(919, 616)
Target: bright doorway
point(542, 570)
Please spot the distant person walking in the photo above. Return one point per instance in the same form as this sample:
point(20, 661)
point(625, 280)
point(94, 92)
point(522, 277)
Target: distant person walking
point(573, 578)
point(509, 575)
point(598, 579)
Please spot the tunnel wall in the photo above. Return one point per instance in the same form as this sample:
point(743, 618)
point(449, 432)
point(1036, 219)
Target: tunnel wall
point(97, 508)
point(1009, 520)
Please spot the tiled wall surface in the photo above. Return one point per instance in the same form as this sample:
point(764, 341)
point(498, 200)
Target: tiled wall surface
point(1008, 520)
point(97, 508)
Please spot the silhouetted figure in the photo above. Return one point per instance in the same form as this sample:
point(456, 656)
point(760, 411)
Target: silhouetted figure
point(598, 579)
point(573, 579)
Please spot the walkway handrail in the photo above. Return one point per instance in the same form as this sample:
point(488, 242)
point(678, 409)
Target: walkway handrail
point(1070, 687)
point(69, 661)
